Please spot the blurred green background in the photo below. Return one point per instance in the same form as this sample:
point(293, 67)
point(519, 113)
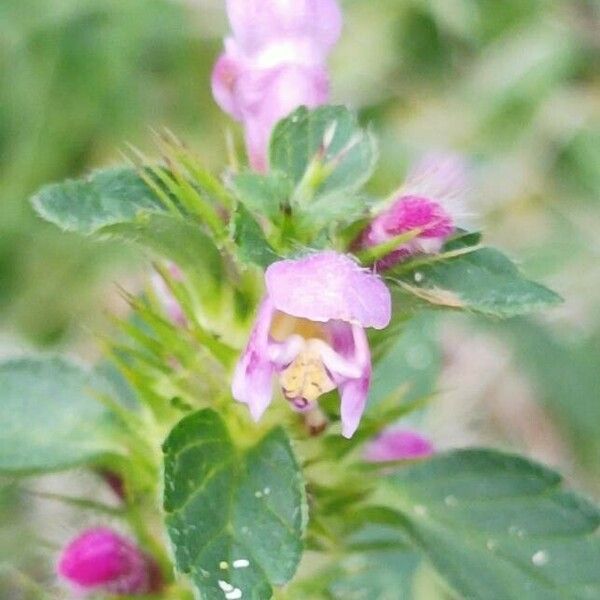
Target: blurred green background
point(514, 85)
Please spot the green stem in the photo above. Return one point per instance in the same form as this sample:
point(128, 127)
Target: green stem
point(138, 523)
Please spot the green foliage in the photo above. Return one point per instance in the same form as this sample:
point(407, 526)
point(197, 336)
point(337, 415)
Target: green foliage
point(479, 280)
point(498, 526)
point(380, 565)
point(80, 76)
point(412, 363)
point(326, 146)
point(566, 374)
point(226, 504)
point(50, 417)
point(267, 195)
point(329, 158)
point(105, 198)
point(250, 239)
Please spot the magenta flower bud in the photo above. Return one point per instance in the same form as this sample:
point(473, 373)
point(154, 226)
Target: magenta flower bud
point(103, 561)
point(431, 201)
point(398, 444)
point(274, 63)
point(310, 335)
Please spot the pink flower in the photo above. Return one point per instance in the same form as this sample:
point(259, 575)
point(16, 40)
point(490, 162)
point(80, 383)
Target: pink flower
point(258, 23)
point(310, 334)
point(430, 201)
point(398, 444)
point(274, 63)
point(102, 561)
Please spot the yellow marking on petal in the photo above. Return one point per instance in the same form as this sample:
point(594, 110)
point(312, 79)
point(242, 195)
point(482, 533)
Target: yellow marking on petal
point(283, 326)
point(306, 377)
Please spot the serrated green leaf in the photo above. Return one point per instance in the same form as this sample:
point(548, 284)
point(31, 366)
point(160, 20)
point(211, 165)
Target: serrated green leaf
point(50, 419)
point(499, 526)
point(235, 517)
point(104, 198)
point(181, 240)
point(483, 281)
point(250, 240)
point(346, 155)
point(263, 194)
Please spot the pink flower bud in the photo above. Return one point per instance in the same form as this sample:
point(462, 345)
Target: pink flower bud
point(102, 561)
point(398, 444)
point(430, 203)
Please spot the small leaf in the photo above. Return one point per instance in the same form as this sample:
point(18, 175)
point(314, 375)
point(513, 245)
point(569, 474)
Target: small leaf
point(483, 280)
point(104, 198)
point(49, 417)
point(499, 526)
point(235, 517)
point(329, 139)
point(181, 240)
point(263, 194)
point(250, 240)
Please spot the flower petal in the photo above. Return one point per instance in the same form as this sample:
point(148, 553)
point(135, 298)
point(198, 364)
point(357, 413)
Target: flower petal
point(329, 286)
point(398, 444)
point(224, 80)
point(253, 377)
point(441, 176)
point(354, 392)
point(266, 96)
point(256, 23)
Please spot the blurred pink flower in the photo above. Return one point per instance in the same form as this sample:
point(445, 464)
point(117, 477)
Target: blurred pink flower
point(310, 333)
point(431, 200)
point(165, 296)
point(398, 444)
point(274, 63)
point(102, 561)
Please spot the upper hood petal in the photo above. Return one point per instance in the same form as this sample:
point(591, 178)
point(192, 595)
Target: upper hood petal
point(327, 286)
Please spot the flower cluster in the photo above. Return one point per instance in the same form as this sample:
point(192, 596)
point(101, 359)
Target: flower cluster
point(274, 62)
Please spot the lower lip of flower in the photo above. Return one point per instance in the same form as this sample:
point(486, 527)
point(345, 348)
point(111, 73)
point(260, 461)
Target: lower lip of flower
point(306, 378)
